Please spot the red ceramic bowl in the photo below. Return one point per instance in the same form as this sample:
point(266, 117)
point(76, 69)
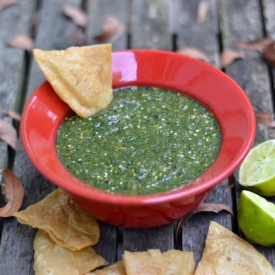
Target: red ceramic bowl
point(45, 111)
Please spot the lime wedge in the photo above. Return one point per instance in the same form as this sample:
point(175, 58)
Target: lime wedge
point(256, 217)
point(257, 172)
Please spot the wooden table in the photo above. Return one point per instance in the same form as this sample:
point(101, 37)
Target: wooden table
point(160, 24)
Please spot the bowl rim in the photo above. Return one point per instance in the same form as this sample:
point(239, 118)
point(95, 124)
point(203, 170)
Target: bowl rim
point(148, 199)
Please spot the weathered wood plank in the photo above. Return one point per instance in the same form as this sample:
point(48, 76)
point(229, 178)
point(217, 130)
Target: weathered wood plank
point(55, 32)
point(149, 238)
point(11, 68)
point(99, 11)
point(195, 24)
point(11, 59)
point(242, 21)
point(269, 19)
point(150, 24)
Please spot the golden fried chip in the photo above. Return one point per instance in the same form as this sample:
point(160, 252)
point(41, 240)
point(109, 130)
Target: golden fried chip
point(180, 262)
point(226, 253)
point(81, 76)
point(174, 262)
point(50, 258)
point(114, 269)
point(67, 224)
point(147, 262)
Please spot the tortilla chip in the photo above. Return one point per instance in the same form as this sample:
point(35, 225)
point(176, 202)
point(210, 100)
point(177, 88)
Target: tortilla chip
point(81, 76)
point(67, 224)
point(226, 253)
point(114, 269)
point(180, 262)
point(49, 258)
point(174, 262)
point(147, 262)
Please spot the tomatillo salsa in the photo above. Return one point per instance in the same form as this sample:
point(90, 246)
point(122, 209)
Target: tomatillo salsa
point(147, 140)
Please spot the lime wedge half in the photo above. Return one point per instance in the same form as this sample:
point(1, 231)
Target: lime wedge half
point(257, 172)
point(256, 217)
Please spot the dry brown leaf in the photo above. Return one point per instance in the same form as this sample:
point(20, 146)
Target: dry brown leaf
point(79, 36)
point(8, 134)
point(12, 114)
point(14, 193)
point(112, 30)
point(231, 180)
point(35, 20)
point(228, 56)
point(6, 3)
point(257, 45)
point(195, 53)
point(78, 16)
point(271, 124)
point(202, 11)
point(269, 54)
point(266, 118)
point(21, 41)
point(203, 207)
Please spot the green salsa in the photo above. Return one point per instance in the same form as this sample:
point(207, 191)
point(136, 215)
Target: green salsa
point(148, 140)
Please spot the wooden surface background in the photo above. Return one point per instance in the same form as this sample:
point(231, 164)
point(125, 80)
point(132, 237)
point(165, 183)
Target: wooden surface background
point(160, 24)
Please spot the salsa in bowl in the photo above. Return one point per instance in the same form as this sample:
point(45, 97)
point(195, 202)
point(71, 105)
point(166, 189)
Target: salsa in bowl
point(223, 102)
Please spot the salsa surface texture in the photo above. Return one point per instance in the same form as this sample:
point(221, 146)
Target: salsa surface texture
point(148, 140)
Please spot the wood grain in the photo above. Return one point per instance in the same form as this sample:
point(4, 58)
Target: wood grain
point(242, 21)
point(99, 11)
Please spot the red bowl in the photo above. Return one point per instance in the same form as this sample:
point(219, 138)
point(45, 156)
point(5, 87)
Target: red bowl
point(45, 111)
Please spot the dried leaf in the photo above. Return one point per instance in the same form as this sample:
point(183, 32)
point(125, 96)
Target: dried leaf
point(112, 30)
point(6, 3)
point(78, 16)
point(8, 134)
point(202, 11)
point(195, 53)
point(35, 20)
point(269, 54)
point(264, 117)
point(203, 207)
point(21, 41)
point(228, 56)
point(14, 193)
point(257, 45)
point(12, 114)
point(79, 36)
point(271, 124)
point(231, 180)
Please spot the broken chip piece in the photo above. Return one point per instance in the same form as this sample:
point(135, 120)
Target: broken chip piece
point(67, 224)
point(50, 258)
point(81, 76)
point(180, 262)
point(226, 253)
point(152, 262)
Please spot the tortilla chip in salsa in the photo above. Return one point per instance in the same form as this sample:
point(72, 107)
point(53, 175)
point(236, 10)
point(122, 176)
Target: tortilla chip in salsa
point(81, 76)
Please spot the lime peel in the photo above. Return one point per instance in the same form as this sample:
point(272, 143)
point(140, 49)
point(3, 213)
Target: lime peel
point(256, 217)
